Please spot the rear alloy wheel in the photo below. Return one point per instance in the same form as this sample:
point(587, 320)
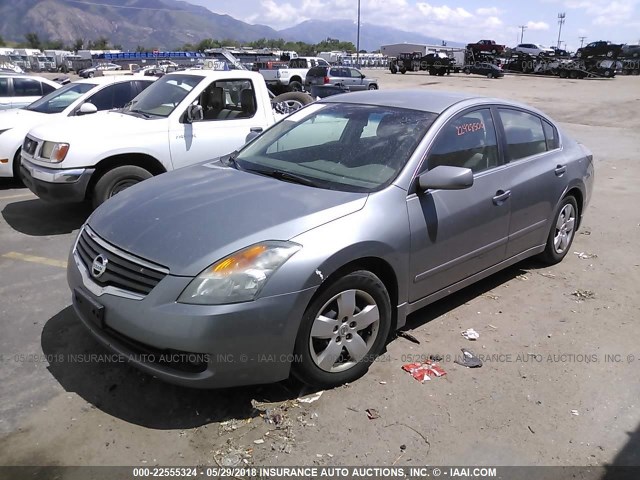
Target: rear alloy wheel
point(562, 232)
point(373, 86)
point(343, 330)
point(116, 180)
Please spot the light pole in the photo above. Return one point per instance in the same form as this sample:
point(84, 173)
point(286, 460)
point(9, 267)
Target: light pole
point(358, 39)
point(561, 17)
point(581, 41)
point(522, 29)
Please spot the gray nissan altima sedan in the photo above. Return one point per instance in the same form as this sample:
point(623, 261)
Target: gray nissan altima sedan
point(303, 251)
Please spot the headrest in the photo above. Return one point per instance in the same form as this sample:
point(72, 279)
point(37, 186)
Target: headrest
point(518, 134)
point(392, 126)
point(247, 100)
point(216, 97)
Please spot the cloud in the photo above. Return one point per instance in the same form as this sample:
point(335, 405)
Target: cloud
point(605, 12)
point(488, 11)
point(444, 13)
point(531, 25)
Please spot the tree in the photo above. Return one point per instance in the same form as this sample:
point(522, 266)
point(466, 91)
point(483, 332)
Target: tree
point(102, 43)
point(2, 43)
point(78, 44)
point(141, 48)
point(33, 41)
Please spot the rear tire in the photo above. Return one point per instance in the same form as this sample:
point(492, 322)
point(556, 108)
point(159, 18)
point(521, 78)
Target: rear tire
point(373, 86)
point(116, 180)
point(562, 233)
point(343, 330)
point(295, 86)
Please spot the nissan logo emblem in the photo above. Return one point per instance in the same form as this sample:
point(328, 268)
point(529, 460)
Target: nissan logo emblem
point(99, 266)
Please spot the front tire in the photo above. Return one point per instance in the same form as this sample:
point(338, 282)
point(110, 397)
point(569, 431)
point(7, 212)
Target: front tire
point(373, 86)
point(295, 87)
point(343, 330)
point(116, 180)
point(562, 231)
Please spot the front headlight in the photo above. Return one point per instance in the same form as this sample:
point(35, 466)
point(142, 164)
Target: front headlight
point(240, 276)
point(54, 152)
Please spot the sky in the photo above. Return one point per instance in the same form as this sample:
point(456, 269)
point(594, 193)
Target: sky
point(462, 21)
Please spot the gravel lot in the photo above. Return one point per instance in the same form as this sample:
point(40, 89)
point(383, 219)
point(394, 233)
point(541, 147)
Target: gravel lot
point(547, 350)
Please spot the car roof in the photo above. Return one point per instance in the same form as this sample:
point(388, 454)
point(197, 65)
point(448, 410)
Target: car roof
point(26, 75)
point(112, 79)
point(428, 101)
point(222, 74)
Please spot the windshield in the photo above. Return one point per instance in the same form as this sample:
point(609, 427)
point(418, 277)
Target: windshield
point(358, 148)
point(163, 96)
point(58, 100)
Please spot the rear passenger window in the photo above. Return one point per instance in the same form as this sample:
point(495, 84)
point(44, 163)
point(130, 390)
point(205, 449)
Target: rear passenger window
point(4, 87)
point(26, 87)
point(551, 135)
point(468, 141)
point(524, 134)
point(46, 88)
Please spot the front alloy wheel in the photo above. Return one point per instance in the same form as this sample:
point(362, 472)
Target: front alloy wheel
point(343, 330)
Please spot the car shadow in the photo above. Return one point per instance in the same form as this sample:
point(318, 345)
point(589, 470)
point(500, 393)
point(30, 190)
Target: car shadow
point(625, 464)
point(39, 218)
point(455, 300)
point(133, 396)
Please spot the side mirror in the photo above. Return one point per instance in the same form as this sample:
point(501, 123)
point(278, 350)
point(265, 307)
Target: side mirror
point(446, 178)
point(255, 132)
point(363, 76)
point(87, 108)
point(195, 113)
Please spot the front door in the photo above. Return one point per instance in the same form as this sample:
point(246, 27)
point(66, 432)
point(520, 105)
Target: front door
point(457, 233)
point(230, 113)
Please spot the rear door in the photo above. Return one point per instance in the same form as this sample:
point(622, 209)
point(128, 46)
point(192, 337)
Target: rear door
point(457, 233)
point(357, 82)
point(5, 93)
point(537, 175)
point(25, 91)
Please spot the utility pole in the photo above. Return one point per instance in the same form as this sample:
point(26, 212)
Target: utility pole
point(522, 29)
point(561, 17)
point(358, 39)
point(581, 41)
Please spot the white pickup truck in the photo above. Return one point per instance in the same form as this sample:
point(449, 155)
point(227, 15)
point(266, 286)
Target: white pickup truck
point(292, 78)
point(181, 119)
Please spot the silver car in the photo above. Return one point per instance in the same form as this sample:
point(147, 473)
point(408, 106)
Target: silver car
point(350, 78)
point(304, 250)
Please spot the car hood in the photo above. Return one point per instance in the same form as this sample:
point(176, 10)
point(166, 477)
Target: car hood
point(18, 116)
point(188, 219)
point(87, 126)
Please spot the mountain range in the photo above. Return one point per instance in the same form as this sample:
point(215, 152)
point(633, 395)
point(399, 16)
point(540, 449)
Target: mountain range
point(169, 24)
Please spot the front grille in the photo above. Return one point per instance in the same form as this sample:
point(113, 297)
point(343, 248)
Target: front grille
point(122, 271)
point(30, 145)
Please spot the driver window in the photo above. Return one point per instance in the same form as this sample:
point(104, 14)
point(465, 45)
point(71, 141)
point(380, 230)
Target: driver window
point(467, 141)
point(228, 100)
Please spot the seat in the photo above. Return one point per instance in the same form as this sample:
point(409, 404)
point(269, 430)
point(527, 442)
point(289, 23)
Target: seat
point(522, 143)
point(212, 101)
point(248, 103)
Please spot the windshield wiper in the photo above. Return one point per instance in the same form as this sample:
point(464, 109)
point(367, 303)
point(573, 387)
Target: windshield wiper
point(288, 177)
point(230, 160)
point(139, 112)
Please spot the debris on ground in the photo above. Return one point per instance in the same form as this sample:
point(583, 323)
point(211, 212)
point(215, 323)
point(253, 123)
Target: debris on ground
point(372, 413)
point(575, 412)
point(382, 382)
point(232, 456)
point(468, 359)
point(585, 255)
point(313, 397)
point(492, 326)
point(424, 371)
point(470, 334)
point(585, 232)
point(306, 423)
point(408, 336)
point(259, 441)
point(522, 277)
point(436, 357)
point(530, 429)
point(547, 274)
point(491, 296)
point(583, 294)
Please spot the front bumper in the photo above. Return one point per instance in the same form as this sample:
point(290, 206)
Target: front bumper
point(227, 345)
point(56, 185)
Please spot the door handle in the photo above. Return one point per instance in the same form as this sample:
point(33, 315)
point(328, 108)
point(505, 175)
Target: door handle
point(256, 129)
point(560, 170)
point(501, 196)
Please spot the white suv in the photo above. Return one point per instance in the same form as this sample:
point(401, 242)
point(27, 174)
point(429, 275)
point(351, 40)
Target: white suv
point(534, 49)
point(74, 99)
